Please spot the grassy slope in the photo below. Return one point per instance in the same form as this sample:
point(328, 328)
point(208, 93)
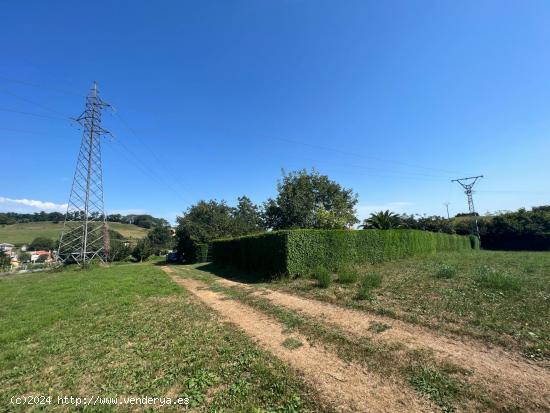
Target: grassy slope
point(128, 330)
point(24, 233)
point(512, 312)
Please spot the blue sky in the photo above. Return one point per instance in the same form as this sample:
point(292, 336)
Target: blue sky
point(214, 98)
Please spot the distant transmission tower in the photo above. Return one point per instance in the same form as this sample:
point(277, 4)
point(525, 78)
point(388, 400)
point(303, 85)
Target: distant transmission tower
point(468, 184)
point(85, 234)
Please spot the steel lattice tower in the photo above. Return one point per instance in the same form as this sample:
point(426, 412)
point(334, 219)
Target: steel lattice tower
point(85, 234)
point(468, 184)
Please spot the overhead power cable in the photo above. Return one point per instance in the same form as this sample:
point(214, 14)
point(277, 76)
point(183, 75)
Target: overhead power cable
point(40, 105)
point(41, 86)
point(376, 158)
point(34, 114)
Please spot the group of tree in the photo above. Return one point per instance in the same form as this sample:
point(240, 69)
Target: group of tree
point(520, 230)
point(141, 220)
point(8, 218)
point(304, 200)
point(159, 240)
point(42, 244)
point(5, 261)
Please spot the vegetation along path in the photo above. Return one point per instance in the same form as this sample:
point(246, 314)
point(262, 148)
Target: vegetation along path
point(344, 386)
point(512, 379)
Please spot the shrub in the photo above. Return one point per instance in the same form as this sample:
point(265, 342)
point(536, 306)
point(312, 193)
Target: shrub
point(445, 271)
point(347, 275)
point(323, 276)
point(367, 283)
point(296, 252)
point(489, 277)
point(371, 280)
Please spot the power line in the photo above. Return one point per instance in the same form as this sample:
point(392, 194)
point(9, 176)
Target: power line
point(41, 86)
point(149, 171)
point(153, 154)
point(33, 114)
point(31, 102)
point(326, 148)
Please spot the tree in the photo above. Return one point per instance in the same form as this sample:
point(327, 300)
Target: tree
point(5, 261)
point(247, 217)
point(142, 250)
point(42, 243)
point(382, 220)
point(310, 200)
point(23, 256)
point(208, 220)
point(160, 238)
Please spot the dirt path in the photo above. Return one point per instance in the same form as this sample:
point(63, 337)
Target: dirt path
point(347, 387)
point(509, 375)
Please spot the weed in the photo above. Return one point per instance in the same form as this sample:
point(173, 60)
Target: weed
point(489, 277)
point(445, 271)
point(439, 387)
point(323, 277)
point(378, 327)
point(347, 275)
point(292, 343)
point(367, 283)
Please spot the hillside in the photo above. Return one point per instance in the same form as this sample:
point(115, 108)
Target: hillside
point(19, 234)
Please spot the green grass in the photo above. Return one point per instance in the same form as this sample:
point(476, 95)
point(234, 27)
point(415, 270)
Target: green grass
point(439, 386)
point(323, 276)
point(20, 234)
point(500, 297)
point(495, 279)
point(392, 360)
point(445, 271)
point(292, 343)
point(367, 284)
point(129, 330)
point(348, 275)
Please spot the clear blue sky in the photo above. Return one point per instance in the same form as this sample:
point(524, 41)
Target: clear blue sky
point(390, 98)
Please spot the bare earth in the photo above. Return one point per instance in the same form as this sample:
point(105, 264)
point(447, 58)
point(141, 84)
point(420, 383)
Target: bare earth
point(345, 387)
point(510, 376)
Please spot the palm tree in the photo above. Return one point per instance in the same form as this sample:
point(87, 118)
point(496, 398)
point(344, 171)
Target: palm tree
point(382, 220)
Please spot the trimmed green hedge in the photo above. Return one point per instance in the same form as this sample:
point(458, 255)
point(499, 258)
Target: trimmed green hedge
point(296, 252)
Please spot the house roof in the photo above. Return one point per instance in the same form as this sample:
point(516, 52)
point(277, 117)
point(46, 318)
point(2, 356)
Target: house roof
point(39, 252)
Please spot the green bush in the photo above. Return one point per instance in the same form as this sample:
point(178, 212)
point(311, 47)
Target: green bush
point(445, 271)
point(347, 274)
point(489, 277)
point(296, 252)
point(323, 276)
point(367, 283)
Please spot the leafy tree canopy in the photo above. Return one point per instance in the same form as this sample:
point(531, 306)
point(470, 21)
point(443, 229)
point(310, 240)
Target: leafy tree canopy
point(310, 200)
point(42, 244)
point(382, 220)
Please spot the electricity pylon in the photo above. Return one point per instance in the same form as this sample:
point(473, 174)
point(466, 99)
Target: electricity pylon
point(468, 184)
point(85, 235)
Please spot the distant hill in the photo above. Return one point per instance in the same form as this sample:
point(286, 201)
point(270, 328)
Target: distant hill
point(19, 234)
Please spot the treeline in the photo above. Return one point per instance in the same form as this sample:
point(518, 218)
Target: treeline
point(311, 200)
point(304, 200)
point(519, 230)
point(141, 220)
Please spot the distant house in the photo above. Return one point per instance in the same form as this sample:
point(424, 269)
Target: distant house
point(7, 248)
point(36, 254)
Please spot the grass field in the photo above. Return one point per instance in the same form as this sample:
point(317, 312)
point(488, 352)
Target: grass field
point(502, 297)
point(496, 298)
point(129, 331)
point(20, 234)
